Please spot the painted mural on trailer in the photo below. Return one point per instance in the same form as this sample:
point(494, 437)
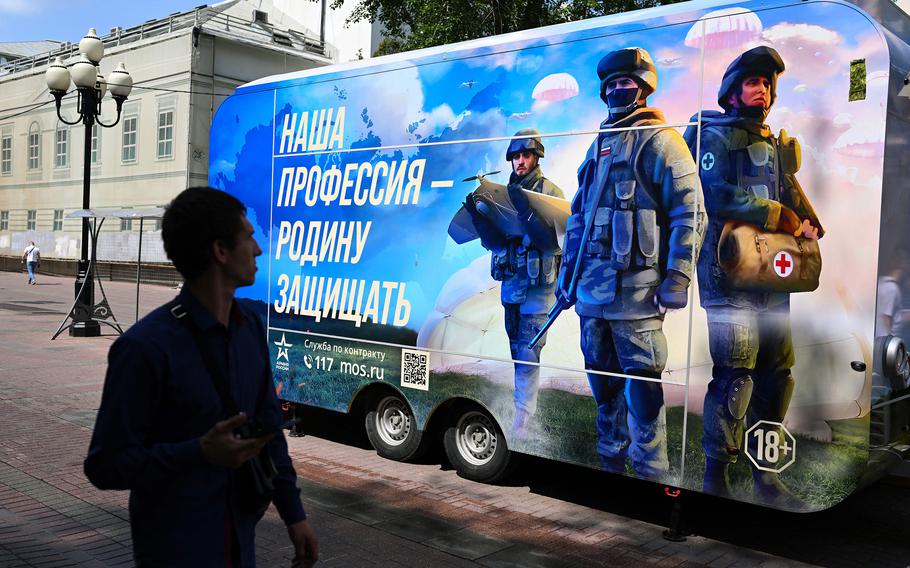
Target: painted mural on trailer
point(540, 224)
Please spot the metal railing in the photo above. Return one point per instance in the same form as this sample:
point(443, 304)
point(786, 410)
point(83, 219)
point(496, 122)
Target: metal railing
point(202, 18)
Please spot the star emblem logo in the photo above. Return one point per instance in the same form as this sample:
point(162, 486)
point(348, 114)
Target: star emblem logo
point(283, 347)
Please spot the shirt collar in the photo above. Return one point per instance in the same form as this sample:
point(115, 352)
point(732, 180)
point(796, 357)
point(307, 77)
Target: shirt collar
point(201, 316)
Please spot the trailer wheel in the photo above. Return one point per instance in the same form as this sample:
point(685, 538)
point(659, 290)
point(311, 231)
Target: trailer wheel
point(392, 429)
point(476, 447)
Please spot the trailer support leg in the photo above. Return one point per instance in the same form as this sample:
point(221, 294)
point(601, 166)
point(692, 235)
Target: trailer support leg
point(676, 532)
point(297, 430)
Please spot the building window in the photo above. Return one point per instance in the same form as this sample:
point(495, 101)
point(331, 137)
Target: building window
point(58, 219)
point(6, 155)
point(126, 224)
point(61, 148)
point(34, 146)
point(4, 220)
point(32, 220)
point(130, 131)
point(96, 143)
point(166, 133)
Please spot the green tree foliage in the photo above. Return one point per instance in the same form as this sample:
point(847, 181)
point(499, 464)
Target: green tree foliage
point(413, 24)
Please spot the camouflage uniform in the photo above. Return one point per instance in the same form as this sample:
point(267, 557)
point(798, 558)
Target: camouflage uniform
point(527, 267)
point(743, 176)
point(640, 190)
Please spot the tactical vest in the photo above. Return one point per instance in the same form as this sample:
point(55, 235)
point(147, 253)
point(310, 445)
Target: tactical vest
point(756, 158)
point(756, 161)
point(625, 226)
point(523, 265)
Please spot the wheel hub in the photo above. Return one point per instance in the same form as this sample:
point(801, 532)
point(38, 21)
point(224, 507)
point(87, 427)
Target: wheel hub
point(476, 439)
point(393, 422)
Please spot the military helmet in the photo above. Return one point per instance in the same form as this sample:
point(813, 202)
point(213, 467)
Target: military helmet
point(634, 62)
point(525, 140)
point(762, 61)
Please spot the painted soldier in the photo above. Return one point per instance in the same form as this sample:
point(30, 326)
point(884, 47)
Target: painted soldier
point(748, 176)
point(633, 236)
point(527, 266)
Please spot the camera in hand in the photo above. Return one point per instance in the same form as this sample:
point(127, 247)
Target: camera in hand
point(252, 428)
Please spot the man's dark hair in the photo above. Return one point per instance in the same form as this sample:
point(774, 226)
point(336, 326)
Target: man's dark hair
point(194, 220)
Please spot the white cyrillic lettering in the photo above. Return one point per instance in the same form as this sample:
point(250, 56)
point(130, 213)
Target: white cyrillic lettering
point(311, 248)
point(371, 310)
point(299, 183)
point(345, 240)
point(287, 132)
point(402, 308)
point(328, 240)
point(396, 182)
point(361, 240)
point(284, 237)
point(319, 132)
point(337, 139)
point(332, 296)
point(293, 305)
point(300, 139)
point(360, 196)
point(296, 240)
point(415, 179)
point(376, 196)
point(388, 287)
point(282, 300)
point(347, 184)
point(287, 174)
point(312, 187)
point(331, 185)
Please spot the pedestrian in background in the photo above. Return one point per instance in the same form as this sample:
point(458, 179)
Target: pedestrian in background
point(31, 256)
point(189, 420)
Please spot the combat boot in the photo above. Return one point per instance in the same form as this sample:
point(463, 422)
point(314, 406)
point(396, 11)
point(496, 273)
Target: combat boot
point(717, 478)
point(771, 490)
point(521, 424)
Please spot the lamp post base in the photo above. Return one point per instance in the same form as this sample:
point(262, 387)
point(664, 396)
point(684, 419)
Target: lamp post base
point(85, 329)
point(84, 325)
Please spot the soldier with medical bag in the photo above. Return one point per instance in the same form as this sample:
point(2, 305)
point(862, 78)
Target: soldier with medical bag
point(760, 246)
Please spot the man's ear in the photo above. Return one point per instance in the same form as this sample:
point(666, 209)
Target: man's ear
point(219, 252)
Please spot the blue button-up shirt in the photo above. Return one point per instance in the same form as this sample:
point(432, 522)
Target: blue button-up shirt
point(157, 403)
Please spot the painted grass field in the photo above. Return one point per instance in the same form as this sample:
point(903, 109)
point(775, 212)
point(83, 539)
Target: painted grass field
point(823, 474)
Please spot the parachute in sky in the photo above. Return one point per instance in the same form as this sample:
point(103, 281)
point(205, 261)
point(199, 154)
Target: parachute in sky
point(863, 140)
point(555, 87)
point(723, 29)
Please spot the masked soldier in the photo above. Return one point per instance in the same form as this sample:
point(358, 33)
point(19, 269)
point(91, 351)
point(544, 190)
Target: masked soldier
point(748, 176)
point(632, 238)
point(526, 265)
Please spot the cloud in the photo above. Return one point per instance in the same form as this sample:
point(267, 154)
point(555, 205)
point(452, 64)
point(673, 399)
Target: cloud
point(17, 7)
point(803, 34)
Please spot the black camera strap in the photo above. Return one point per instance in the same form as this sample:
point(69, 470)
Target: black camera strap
point(218, 378)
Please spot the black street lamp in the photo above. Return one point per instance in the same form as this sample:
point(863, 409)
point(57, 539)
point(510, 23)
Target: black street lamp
point(91, 87)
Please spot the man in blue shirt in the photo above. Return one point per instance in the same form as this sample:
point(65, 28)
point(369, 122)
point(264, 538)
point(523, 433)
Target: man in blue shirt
point(162, 431)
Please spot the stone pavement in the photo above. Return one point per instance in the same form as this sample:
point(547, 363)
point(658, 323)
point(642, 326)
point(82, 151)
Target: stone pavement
point(367, 511)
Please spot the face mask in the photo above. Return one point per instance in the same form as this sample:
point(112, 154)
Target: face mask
point(622, 101)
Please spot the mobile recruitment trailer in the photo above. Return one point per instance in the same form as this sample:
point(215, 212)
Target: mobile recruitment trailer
point(401, 280)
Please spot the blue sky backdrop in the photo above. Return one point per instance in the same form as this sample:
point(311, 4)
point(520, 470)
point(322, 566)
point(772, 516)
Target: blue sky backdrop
point(490, 92)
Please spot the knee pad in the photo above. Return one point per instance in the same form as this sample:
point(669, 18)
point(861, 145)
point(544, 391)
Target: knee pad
point(739, 393)
point(645, 398)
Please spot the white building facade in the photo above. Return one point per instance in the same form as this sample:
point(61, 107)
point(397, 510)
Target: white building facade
point(182, 67)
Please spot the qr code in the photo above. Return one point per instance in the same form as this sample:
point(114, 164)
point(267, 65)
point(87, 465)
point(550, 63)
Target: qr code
point(415, 369)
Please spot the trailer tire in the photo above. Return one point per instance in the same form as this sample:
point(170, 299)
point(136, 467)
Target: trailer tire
point(476, 446)
point(392, 429)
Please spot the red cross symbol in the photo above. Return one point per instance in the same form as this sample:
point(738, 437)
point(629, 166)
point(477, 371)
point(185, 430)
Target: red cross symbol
point(783, 264)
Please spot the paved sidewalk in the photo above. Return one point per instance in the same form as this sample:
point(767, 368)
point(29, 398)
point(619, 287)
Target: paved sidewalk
point(367, 511)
